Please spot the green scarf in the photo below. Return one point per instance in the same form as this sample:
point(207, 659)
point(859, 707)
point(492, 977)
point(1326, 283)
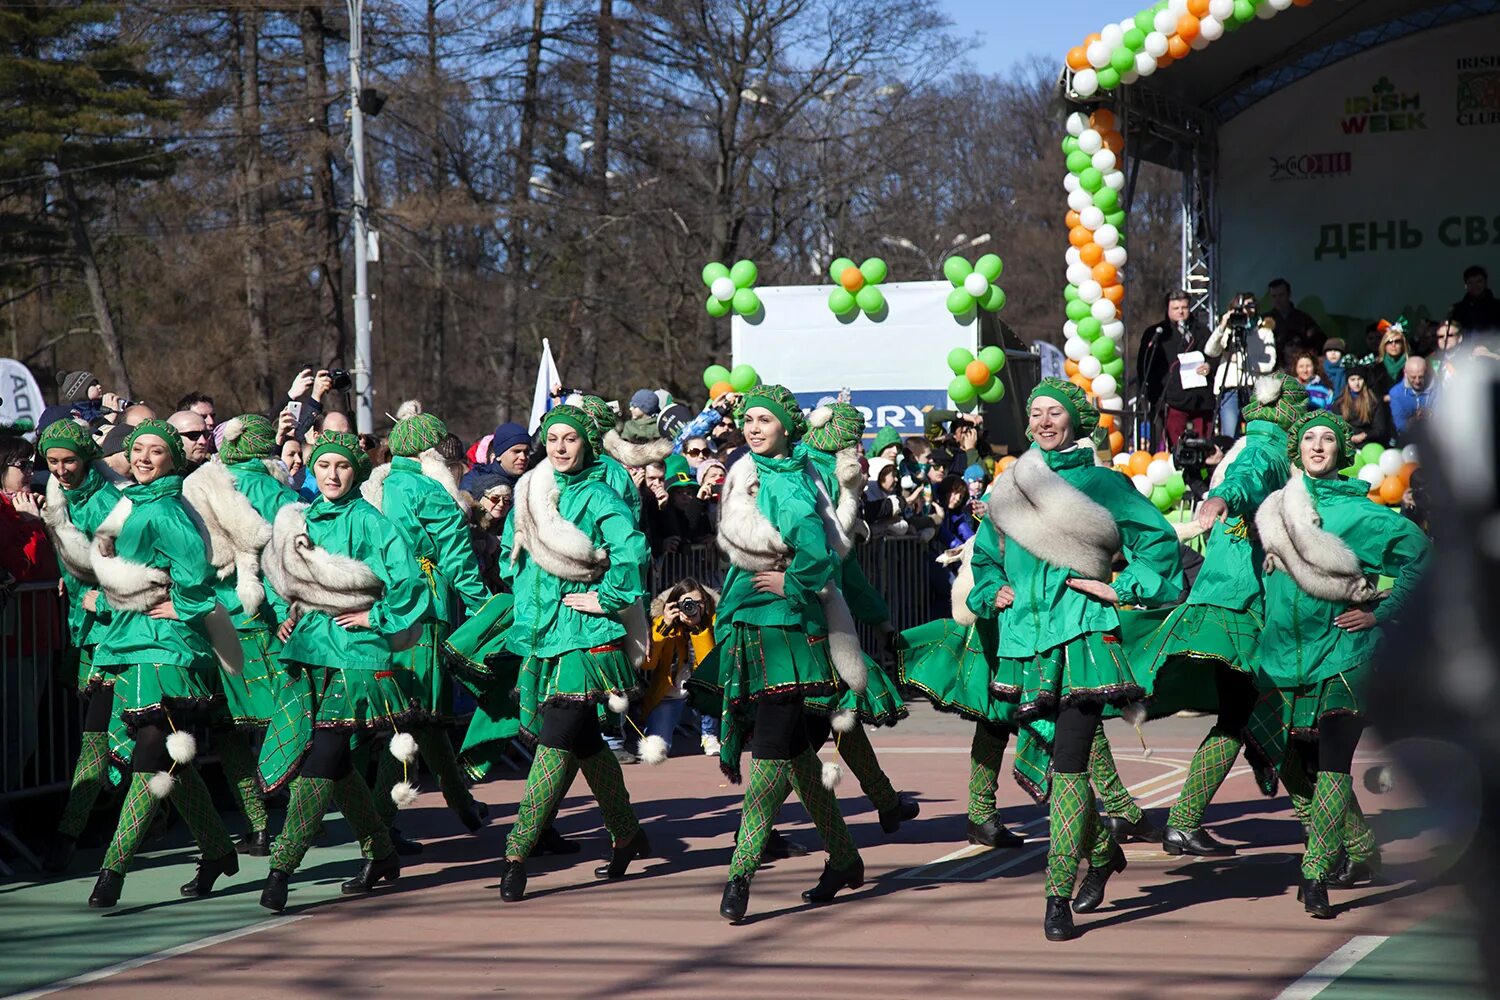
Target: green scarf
point(169, 485)
point(1394, 367)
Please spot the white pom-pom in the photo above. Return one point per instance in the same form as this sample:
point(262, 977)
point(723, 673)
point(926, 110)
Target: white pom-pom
point(820, 416)
point(404, 794)
point(1267, 390)
point(1134, 713)
point(832, 775)
point(618, 703)
point(160, 785)
point(1147, 752)
point(843, 722)
point(182, 747)
point(653, 750)
point(404, 747)
point(234, 429)
point(410, 408)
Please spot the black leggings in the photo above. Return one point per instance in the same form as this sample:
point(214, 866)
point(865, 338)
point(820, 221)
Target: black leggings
point(330, 757)
point(150, 754)
point(1338, 735)
point(571, 727)
point(780, 729)
point(1075, 738)
point(1237, 698)
point(818, 728)
point(98, 709)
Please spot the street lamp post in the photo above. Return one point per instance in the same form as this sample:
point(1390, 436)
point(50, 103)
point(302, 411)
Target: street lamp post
point(364, 396)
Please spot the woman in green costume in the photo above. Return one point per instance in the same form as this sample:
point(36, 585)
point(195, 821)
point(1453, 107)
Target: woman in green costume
point(1059, 519)
point(1326, 544)
point(355, 595)
point(572, 553)
point(783, 631)
point(154, 575)
point(80, 496)
point(237, 499)
point(418, 494)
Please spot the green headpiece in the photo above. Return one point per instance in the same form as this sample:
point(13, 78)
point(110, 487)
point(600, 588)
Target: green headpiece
point(346, 444)
point(834, 427)
point(156, 427)
point(679, 473)
point(1082, 413)
point(578, 419)
point(1279, 398)
point(415, 434)
point(70, 435)
point(604, 418)
point(246, 437)
point(884, 438)
point(1321, 418)
point(780, 401)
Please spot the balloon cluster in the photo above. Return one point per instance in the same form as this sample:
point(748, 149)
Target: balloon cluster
point(977, 377)
point(731, 288)
point(1155, 476)
point(857, 286)
point(1158, 36)
point(720, 380)
point(974, 284)
point(1096, 256)
point(1387, 471)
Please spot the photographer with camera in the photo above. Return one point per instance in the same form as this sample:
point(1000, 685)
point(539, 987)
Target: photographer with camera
point(682, 634)
point(304, 398)
point(1243, 346)
point(1186, 403)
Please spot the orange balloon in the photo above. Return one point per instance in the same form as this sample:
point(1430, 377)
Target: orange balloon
point(1107, 421)
point(1080, 237)
point(1006, 461)
point(1165, 59)
point(1115, 293)
point(1072, 220)
point(1188, 27)
point(718, 389)
point(1090, 253)
point(1140, 461)
point(1091, 39)
point(1083, 383)
point(1078, 58)
point(1301, 3)
point(1177, 46)
point(1105, 273)
point(1070, 368)
point(1391, 490)
point(1161, 456)
point(852, 279)
point(1116, 442)
point(977, 372)
point(1405, 474)
point(1103, 120)
point(1114, 140)
point(1198, 8)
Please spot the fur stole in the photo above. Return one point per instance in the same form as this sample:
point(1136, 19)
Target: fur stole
point(558, 545)
point(71, 543)
point(752, 543)
point(1188, 530)
point(1319, 561)
point(634, 454)
point(1052, 520)
point(433, 467)
point(236, 531)
point(851, 479)
point(963, 585)
point(278, 471)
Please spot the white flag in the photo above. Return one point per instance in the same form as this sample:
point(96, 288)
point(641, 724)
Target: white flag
point(20, 397)
point(546, 378)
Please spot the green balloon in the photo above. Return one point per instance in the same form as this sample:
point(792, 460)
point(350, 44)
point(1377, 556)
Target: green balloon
point(1145, 21)
point(713, 272)
point(1109, 78)
point(874, 271)
point(956, 269)
point(746, 302)
point(1070, 293)
point(1350, 472)
point(1161, 499)
point(961, 390)
point(1135, 38)
point(1122, 60)
point(1103, 349)
point(713, 375)
point(837, 268)
point(1176, 486)
point(1090, 329)
point(994, 299)
point(993, 392)
point(990, 265)
point(743, 378)
point(1091, 180)
point(1371, 453)
point(959, 302)
point(1116, 219)
point(870, 299)
point(716, 308)
point(1115, 368)
point(841, 302)
point(1244, 10)
point(958, 360)
point(993, 358)
point(1078, 310)
point(1106, 199)
point(1069, 143)
point(744, 273)
point(1079, 161)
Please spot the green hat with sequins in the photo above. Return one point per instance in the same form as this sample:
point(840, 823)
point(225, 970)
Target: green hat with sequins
point(247, 436)
point(781, 402)
point(1083, 414)
point(834, 427)
point(156, 427)
point(1322, 418)
point(1279, 398)
point(415, 434)
point(69, 435)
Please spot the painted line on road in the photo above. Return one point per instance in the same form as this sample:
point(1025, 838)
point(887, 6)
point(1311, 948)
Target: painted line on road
point(88, 978)
point(1327, 972)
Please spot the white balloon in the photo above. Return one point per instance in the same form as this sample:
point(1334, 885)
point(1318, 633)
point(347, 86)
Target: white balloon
point(1372, 475)
point(1098, 54)
point(1391, 461)
point(1075, 348)
point(1091, 218)
point(1107, 236)
point(1211, 28)
point(1166, 23)
point(1117, 337)
point(1078, 121)
point(1115, 179)
point(1073, 256)
point(1126, 26)
point(1112, 36)
point(1110, 404)
point(1103, 311)
point(1410, 454)
point(1128, 77)
point(1086, 83)
point(1070, 183)
point(1159, 471)
point(1079, 273)
point(1178, 7)
point(1122, 457)
point(1090, 367)
point(976, 284)
point(1114, 331)
point(1104, 160)
point(1156, 42)
point(1221, 9)
point(1279, 4)
point(1265, 12)
point(722, 288)
point(1070, 331)
point(1104, 384)
point(1199, 43)
point(1145, 63)
point(1079, 200)
point(1091, 142)
point(1142, 485)
point(1090, 291)
point(1116, 255)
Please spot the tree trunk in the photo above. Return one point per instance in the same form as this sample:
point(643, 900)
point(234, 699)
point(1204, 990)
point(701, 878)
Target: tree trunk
point(598, 174)
point(83, 249)
point(436, 330)
point(250, 203)
point(519, 269)
point(333, 334)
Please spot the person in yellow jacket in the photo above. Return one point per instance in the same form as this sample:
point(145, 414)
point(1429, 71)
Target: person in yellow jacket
point(682, 635)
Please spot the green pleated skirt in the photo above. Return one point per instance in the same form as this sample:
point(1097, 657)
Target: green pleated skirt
point(94, 683)
point(880, 705)
point(424, 662)
point(496, 719)
point(1090, 669)
point(1283, 714)
point(1175, 654)
point(953, 666)
point(758, 660)
point(250, 696)
point(470, 649)
point(582, 676)
point(156, 693)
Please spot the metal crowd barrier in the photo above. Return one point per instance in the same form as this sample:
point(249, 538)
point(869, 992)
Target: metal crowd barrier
point(40, 719)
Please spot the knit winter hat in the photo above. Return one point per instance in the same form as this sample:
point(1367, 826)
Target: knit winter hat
point(343, 443)
point(506, 437)
point(70, 436)
point(1321, 418)
point(74, 386)
point(156, 427)
point(679, 473)
point(576, 418)
point(673, 419)
point(707, 467)
point(247, 436)
point(1084, 416)
point(415, 434)
point(884, 438)
point(600, 412)
point(780, 401)
point(646, 401)
point(1279, 398)
point(834, 427)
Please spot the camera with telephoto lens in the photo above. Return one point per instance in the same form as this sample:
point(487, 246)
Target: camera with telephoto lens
point(689, 607)
point(340, 379)
point(1191, 455)
point(1241, 317)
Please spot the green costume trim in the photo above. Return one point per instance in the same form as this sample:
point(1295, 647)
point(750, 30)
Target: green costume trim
point(545, 786)
point(89, 778)
point(304, 814)
point(415, 434)
point(986, 758)
point(823, 807)
point(607, 782)
point(1106, 779)
point(1091, 668)
point(1325, 827)
point(855, 749)
point(881, 703)
point(135, 819)
point(577, 677)
point(769, 784)
point(952, 665)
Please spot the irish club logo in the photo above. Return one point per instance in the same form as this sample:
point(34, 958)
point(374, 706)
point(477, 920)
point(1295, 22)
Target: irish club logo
point(1383, 109)
point(1478, 90)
